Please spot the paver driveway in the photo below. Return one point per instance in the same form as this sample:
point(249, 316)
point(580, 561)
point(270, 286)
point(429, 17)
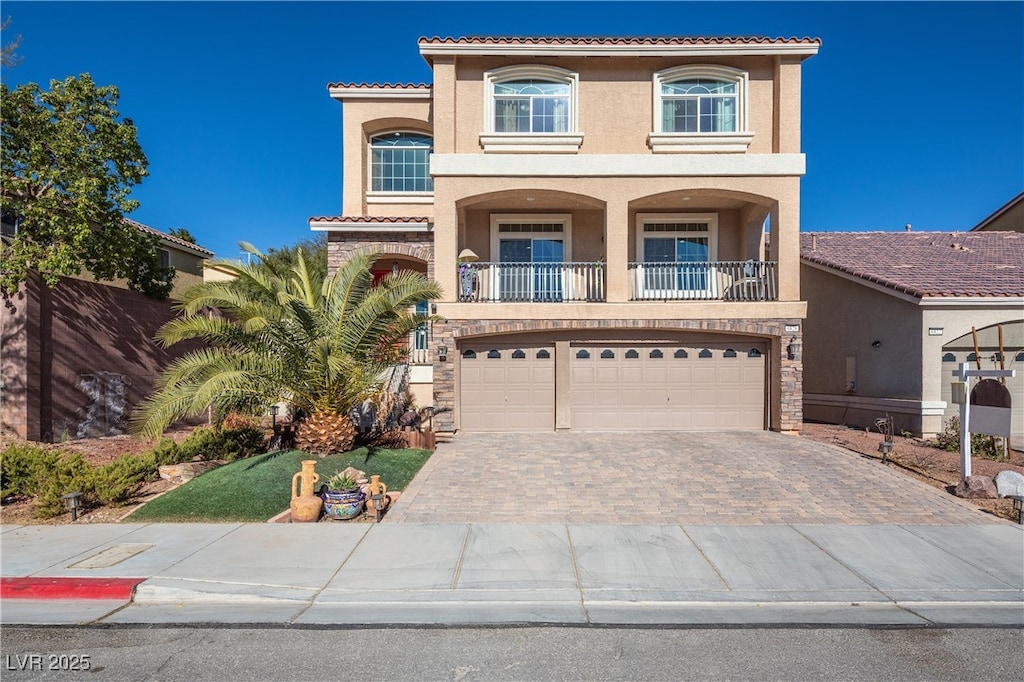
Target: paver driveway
point(665, 477)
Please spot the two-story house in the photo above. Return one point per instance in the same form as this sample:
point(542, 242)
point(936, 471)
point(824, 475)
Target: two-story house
point(614, 222)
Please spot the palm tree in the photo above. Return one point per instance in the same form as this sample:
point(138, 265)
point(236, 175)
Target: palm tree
point(287, 334)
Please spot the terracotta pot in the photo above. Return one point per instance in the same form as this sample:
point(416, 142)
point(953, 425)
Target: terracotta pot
point(305, 505)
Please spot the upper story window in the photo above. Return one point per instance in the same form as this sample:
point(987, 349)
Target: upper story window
point(698, 105)
point(400, 163)
point(531, 106)
point(531, 109)
point(700, 108)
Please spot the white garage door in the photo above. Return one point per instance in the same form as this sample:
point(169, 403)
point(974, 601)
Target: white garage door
point(621, 387)
point(507, 388)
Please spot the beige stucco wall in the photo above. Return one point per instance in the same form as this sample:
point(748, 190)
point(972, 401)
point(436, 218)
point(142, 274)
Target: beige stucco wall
point(616, 106)
point(904, 375)
point(1011, 220)
point(361, 119)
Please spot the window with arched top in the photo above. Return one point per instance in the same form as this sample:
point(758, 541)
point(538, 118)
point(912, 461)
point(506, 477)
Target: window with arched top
point(681, 354)
point(753, 353)
point(493, 355)
point(531, 108)
point(400, 163)
point(607, 354)
point(729, 353)
point(518, 354)
point(700, 105)
point(582, 354)
point(543, 355)
point(706, 353)
point(469, 355)
point(949, 357)
point(656, 354)
point(632, 354)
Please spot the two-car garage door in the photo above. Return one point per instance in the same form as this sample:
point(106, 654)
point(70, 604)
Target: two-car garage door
point(615, 387)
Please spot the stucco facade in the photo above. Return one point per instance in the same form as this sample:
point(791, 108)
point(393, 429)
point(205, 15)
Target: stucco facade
point(601, 187)
point(876, 346)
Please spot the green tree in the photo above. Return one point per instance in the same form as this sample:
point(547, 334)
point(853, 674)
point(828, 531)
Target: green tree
point(319, 343)
point(69, 162)
point(182, 234)
point(314, 249)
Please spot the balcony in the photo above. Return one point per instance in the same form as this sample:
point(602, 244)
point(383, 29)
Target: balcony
point(748, 280)
point(531, 282)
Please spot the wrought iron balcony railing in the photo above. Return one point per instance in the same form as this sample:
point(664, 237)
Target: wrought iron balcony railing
point(531, 282)
point(748, 280)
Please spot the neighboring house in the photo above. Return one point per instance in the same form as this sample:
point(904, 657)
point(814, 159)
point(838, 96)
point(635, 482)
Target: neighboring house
point(595, 210)
point(889, 317)
point(76, 358)
point(1007, 218)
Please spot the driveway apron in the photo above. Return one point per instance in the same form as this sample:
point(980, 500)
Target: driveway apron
point(721, 478)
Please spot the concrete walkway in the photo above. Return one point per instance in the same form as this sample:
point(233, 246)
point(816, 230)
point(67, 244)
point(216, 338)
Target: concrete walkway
point(730, 478)
point(407, 574)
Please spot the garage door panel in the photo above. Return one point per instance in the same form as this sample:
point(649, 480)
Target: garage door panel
point(507, 388)
point(681, 387)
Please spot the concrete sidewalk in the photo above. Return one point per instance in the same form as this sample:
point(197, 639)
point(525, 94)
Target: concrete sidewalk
point(475, 574)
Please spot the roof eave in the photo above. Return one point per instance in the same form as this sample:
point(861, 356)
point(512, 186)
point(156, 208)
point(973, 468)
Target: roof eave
point(428, 50)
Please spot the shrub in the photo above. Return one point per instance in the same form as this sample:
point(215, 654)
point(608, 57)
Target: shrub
point(226, 444)
point(115, 483)
point(57, 477)
point(235, 421)
point(987, 447)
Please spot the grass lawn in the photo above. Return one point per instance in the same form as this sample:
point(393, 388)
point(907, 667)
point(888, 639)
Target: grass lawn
point(255, 489)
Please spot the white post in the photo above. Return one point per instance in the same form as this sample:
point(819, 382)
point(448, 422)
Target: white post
point(965, 434)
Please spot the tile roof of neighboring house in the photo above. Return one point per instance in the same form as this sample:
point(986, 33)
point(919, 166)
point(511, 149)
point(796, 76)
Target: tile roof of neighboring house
point(177, 241)
point(615, 40)
point(370, 223)
point(925, 264)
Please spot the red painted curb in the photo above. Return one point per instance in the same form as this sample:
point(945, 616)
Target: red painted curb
point(68, 588)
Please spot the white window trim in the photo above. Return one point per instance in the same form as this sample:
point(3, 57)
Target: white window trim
point(643, 219)
point(568, 142)
point(734, 142)
point(373, 197)
point(564, 219)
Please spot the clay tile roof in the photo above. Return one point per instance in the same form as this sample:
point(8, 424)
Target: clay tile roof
point(342, 219)
point(615, 40)
point(382, 86)
point(925, 264)
point(177, 241)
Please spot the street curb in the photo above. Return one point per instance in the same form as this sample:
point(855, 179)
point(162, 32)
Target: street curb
point(68, 588)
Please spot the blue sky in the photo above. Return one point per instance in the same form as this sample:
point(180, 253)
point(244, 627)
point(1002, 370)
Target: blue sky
point(912, 112)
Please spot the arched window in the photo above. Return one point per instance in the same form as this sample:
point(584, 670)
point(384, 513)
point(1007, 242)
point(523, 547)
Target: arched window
point(607, 354)
point(469, 355)
point(681, 354)
point(531, 108)
point(400, 162)
point(729, 353)
point(949, 357)
point(518, 354)
point(582, 355)
point(632, 354)
point(493, 355)
point(706, 353)
point(656, 354)
point(543, 355)
point(700, 105)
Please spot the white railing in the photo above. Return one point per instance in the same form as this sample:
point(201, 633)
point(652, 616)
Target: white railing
point(531, 282)
point(747, 280)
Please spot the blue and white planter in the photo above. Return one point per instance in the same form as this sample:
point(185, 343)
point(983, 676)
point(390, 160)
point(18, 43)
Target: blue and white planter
point(342, 505)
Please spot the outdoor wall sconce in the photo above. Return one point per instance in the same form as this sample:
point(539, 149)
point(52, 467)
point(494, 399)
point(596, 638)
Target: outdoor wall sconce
point(433, 309)
point(442, 353)
point(273, 415)
point(73, 501)
point(793, 349)
point(394, 267)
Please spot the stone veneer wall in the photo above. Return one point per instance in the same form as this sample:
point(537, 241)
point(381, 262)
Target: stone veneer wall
point(787, 374)
point(77, 358)
point(418, 245)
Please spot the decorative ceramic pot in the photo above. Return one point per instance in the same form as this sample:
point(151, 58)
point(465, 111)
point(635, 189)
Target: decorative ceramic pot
point(343, 504)
point(305, 506)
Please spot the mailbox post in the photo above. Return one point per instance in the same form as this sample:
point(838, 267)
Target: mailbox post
point(991, 406)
